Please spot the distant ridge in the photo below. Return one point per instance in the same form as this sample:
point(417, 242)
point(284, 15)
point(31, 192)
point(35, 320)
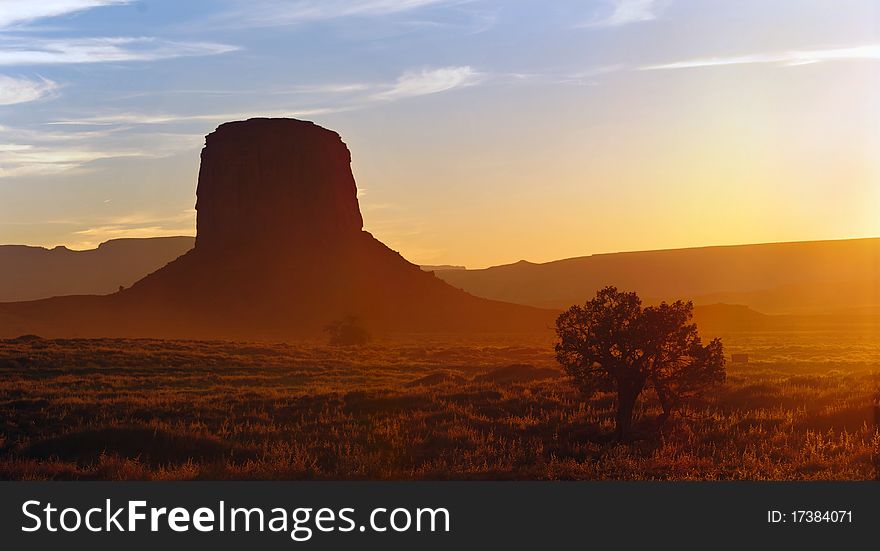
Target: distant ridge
point(30, 273)
point(440, 268)
point(744, 275)
point(807, 277)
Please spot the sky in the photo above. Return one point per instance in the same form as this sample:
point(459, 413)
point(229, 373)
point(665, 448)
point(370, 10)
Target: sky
point(482, 131)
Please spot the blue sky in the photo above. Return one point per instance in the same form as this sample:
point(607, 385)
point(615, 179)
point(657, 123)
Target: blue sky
point(481, 131)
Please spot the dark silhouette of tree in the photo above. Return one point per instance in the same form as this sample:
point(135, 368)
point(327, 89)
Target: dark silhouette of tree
point(613, 344)
point(680, 367)
point(347, 332)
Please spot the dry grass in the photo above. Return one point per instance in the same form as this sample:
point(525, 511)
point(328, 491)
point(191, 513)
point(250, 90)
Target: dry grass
point(141, 409)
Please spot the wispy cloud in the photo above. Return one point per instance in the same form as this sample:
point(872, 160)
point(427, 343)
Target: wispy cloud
point(790, 58)
point(31, 51)
point(588, 77)
point(31, 160)
point(27, 152)
point(429, 81)
point(625, 12)
point(131, 119)
point(325, 89)
point(35, 135)
point(103, 233)
point(282, 90)
point(112, 135)
point(23, 90)
point(16, 12)
point(137, 224)
point(151, 218)
point(410, 84)
point(270, 13)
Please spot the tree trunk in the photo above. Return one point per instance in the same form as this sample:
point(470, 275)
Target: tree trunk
point(666, 404)
point(626, 402)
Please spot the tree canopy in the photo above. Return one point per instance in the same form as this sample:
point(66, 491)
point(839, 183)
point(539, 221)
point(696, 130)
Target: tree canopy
point(614, 344)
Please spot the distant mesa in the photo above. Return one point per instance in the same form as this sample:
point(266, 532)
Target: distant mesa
point(441, 268)
point(802, 278)
point(279, 253)
point(31, 273)
point(806, 278)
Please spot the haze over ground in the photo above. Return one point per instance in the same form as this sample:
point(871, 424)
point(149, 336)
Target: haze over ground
point(807, 278)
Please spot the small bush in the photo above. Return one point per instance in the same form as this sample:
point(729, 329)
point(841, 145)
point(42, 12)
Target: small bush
point(347, 332)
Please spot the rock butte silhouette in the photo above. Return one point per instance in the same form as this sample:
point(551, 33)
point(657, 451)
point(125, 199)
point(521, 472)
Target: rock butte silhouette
point(280, 252)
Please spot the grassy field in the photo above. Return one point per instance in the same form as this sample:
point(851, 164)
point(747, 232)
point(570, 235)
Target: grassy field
point(141, 409)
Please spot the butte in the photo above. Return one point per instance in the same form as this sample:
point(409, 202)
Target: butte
point(280, 252)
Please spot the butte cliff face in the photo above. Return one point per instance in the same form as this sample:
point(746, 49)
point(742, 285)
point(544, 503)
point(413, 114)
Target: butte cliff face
point(280, 252)
point(275, 182)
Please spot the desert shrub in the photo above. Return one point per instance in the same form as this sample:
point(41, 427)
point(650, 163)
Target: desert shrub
point(347, 332)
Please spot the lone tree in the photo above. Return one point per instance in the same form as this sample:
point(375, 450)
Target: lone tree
point(613, 344)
